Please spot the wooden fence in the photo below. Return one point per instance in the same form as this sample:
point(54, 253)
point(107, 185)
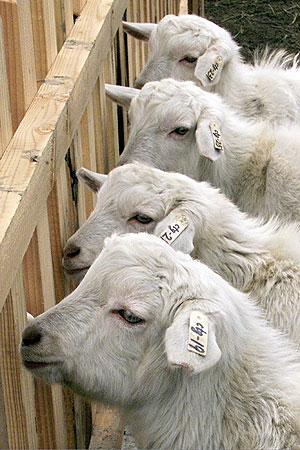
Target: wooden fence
point(54, 118)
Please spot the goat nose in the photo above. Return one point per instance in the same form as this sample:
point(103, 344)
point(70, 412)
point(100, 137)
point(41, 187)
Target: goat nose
point(138, 84)
point(70, 251)
point(31, 336)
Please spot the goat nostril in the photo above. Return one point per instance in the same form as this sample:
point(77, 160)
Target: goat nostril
point(31, 336)
point(71, 252)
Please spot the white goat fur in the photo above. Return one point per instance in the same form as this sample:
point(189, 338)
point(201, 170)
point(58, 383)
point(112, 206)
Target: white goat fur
point(261, 259)
point(259, 169)
point(270, 88)
point(244, 394)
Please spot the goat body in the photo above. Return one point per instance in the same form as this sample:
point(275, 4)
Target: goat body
point(122, 337)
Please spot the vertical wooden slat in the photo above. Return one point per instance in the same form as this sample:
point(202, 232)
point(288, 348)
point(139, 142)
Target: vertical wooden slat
point(111, 114)
point(98, 110)
point(5, 113)
point(20, 61)
point(124, 79)
point(44, 36)
point(63, 19)
point(3, 429)
point(17, 383)
point(77, 6)
point(131, 46)
point(88, 156)
point(40, 295)
point(108, 428)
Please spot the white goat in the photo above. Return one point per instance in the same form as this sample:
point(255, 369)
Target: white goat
point(192, 48)
point(261, 259)
point(176, 126)
point(122, 337)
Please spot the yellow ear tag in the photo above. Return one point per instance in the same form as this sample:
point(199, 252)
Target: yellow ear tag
point(171, 233)
point(198, 333)
point(214, 68)
point(217, 138)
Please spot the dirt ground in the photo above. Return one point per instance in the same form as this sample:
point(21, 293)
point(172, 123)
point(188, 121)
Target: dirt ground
point(258, 23)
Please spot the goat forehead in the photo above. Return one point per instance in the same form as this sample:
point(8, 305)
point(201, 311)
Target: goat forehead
point(177, 106)
point(179, 45)
point(194, 25)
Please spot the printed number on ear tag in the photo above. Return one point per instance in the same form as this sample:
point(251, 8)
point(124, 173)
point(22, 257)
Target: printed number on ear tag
point(174, 229)
point(214, 68)
point(216, 135)
point(198, 333)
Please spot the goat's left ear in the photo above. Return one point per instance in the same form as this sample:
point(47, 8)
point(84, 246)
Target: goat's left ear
point(209, 137)
point(210, 65)
point(93, 180)
point(180, 346)
point(177, 230)
point(121, 94)
point(139, 30)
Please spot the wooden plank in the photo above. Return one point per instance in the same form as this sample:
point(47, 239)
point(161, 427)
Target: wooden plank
point(131, 42)
point(77, 6)
point(99, 124)
point(112, 152)
point(108, 426)
point(20, 61)
point(196, 7)
point(17, 383)
point(5, 112)
point(85, 156)
point(40, 295)
point(44, 36)
point(3, 429)
point(41, 141)
point(63, 19)
point(124, 80)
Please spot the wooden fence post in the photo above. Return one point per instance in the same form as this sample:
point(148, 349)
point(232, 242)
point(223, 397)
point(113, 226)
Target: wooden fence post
point(5, 113)
point(20, 61)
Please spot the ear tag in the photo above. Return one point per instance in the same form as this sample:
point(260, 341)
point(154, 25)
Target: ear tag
point(217, 138)
point(214, 68)
point(198, 333)
point(171, 233)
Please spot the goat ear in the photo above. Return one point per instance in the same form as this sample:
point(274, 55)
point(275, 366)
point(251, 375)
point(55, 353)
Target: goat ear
point(177, 230)
point(183, 350)
point(121, 94)
point(93, 180)
point(140, 31)
point(210, 65)
point(209, 138)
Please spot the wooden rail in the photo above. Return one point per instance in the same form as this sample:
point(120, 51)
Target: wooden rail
point(54, 118)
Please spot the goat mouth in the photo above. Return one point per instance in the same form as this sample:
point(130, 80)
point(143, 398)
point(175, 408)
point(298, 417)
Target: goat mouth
point(37, 364)
point(74, 271)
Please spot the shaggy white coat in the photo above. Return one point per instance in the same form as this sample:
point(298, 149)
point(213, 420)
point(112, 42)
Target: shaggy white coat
point(256, 258)
point(244, 394)
point(259, 169)
point(270, 88)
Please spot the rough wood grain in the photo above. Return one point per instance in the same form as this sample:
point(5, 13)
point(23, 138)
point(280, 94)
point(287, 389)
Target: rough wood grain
point(44, 36)
point(77, 6)
point(108, 428)
point(5, 112)
point(17, 383)
point(41, 141)
point(20, 61)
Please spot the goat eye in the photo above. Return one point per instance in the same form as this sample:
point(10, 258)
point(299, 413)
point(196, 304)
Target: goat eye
point(142, 219)
point(189, 59)
point(129, 317)
point(181, 131)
